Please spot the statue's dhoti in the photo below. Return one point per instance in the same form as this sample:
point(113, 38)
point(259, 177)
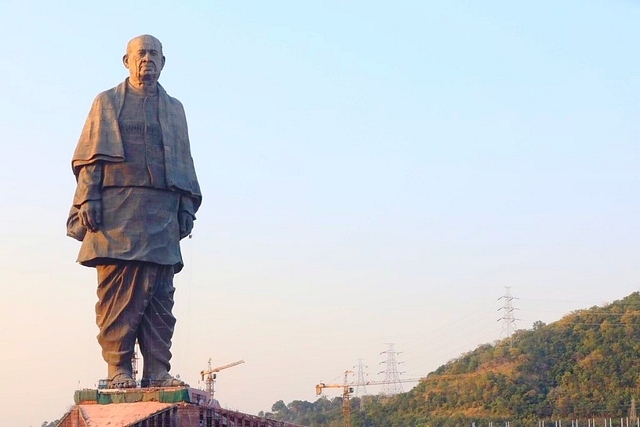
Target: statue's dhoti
point(135, 299)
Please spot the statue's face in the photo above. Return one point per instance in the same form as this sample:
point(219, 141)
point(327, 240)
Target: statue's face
point(144, 60)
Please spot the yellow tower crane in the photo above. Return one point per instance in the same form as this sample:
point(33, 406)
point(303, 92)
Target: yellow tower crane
point(211, 376)
point(347, 389)
point(346, 394)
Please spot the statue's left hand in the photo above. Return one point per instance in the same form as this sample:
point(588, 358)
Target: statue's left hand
point(185, 220)
point(90, 214)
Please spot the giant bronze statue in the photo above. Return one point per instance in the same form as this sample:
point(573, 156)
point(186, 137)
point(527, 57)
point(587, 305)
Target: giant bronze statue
point(136, 198)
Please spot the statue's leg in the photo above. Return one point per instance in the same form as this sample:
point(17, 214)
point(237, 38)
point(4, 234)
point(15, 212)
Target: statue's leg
point(119, 310)
point(157, 326)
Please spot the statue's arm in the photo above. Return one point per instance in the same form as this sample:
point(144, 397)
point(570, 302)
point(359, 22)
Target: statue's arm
point(88, 195)
point(188, 204)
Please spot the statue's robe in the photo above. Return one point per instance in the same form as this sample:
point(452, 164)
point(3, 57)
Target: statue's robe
point(134, 156)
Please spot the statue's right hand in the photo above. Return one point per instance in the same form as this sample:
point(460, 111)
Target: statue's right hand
point(91, 214)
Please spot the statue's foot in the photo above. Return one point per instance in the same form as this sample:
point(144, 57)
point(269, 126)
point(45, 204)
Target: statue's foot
point(163, 380)
point(120, 376)
point(122, 380)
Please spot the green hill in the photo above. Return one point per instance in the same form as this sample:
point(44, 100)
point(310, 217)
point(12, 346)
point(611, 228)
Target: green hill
point(586, 365)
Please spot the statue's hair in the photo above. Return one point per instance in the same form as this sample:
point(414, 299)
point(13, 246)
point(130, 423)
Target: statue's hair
point(143, 36)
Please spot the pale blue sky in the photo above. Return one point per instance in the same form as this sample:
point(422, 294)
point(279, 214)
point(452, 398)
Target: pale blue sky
point(372, 172)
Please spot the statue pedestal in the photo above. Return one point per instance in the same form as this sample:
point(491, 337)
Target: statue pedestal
point(132, 395)
point(156, 406)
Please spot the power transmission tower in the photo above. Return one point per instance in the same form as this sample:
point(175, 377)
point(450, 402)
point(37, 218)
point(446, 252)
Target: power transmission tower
point(392, 384)
point(508, 318)
point(360, 383)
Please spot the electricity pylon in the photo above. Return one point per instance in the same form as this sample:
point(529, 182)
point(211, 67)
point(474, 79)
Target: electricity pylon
point(508, 318)
point(360, 383)
point(392, 384)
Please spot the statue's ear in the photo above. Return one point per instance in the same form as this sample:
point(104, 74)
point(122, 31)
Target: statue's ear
point(125, 61)
point(163, 59)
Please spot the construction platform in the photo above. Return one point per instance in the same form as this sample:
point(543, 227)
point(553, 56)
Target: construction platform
point(156, 407)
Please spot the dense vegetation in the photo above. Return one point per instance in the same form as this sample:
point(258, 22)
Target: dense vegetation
point(586, 365)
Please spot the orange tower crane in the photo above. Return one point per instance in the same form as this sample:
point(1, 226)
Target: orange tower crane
point(346, 394)
point(347, 389)
point(211, 376)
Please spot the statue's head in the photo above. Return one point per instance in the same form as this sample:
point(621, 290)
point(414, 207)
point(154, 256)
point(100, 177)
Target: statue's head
point(144, 60)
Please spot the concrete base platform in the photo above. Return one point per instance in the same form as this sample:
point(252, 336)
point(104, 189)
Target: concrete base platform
point(123, 414)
